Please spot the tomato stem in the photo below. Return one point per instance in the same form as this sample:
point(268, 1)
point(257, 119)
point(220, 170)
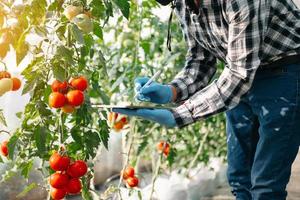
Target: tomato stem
point(197, 154)
point(156, 172)
point(61, 132)
point(4, 64)
point(3, 131)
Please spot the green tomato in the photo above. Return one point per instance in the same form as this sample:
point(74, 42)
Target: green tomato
point(83, 22)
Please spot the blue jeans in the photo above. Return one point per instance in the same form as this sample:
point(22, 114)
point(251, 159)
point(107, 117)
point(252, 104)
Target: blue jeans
point(263, 136)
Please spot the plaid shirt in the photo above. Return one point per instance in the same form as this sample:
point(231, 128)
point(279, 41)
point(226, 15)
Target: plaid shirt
point(245, 34)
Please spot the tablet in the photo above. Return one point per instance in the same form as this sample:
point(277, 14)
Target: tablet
point(105, 106)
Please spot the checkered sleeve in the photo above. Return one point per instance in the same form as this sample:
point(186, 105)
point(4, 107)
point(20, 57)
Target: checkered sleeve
point(199, 68)
point(245, 33)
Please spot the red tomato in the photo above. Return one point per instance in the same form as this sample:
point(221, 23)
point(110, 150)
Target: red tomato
point(132, 181)
point(58, 162)
point(163, 146)
point(59, 180)
point(4, 148)
point(57, 100)
point(74, 186)
point(16, 83)
point(58, 194)
point(124, 120)
point(80, 83)
point(58, 86)
point(77, 169)
point(75, 97)
point(128, 172)
point(4, 74)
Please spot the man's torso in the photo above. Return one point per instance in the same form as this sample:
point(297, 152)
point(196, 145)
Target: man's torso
point(280, 20)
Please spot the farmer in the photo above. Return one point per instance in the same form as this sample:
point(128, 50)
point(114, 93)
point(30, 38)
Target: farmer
point(259, 88)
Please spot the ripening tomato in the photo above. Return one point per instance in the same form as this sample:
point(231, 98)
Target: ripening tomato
point(74, 186)
point(58, 162)
point(72, 11)
point(80, 83)
point(59, 180)
point(58, 194)
point(57, 100)
point(16, 83)
point(118, 126)
point(4, 148)
point(132, 181)
point(164, 147)
point(68, 108)
point(58, 86)
point(128, 172)
point(4, 74)
point(75, 97)
point(77, 169)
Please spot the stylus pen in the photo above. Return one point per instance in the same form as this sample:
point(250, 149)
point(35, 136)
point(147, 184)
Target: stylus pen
point(153, 78)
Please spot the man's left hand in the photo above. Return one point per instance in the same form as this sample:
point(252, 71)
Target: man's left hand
point(162, 116)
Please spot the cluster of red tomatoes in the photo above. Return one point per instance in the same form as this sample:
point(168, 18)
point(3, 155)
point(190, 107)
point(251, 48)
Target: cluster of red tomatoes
point(116, 121)
point(164, 147)
point(66, 95)
point(4, 148)
point(129, 177)
point(66, 179)
point(8, 83)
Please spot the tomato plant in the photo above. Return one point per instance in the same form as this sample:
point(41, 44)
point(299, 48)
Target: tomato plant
point(87, 53)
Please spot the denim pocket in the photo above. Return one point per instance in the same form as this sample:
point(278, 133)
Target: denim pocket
point(275, 100)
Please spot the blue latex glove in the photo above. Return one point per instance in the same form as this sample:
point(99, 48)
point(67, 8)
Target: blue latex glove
point(155, 92)
point(162, 116)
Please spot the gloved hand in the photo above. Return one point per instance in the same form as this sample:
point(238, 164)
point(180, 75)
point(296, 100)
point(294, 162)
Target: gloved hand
point(162, 116)
point(155, 92)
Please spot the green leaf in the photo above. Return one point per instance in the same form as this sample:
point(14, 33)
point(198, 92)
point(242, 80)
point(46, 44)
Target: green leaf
point(103, 96)
point(66, 54)
point(29, 85)
point(40, 135)
point(1, 160)
point(77, 34)
point(59, 72)
point(86, 195)
point(26, 168)
point(22, 46)
point(11, 145)
point(104, 133)
point(26, 190)
point(142, 145)
point(76, 136)
point(2, 118)
point(98, 30)
point(140, 195)
point(19, 114)
point(124, 6)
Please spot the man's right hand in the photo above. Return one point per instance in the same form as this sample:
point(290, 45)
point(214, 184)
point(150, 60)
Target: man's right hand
point(155, 92)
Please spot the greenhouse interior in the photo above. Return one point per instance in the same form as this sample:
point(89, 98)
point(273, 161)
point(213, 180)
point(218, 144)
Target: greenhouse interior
point(149, 99)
